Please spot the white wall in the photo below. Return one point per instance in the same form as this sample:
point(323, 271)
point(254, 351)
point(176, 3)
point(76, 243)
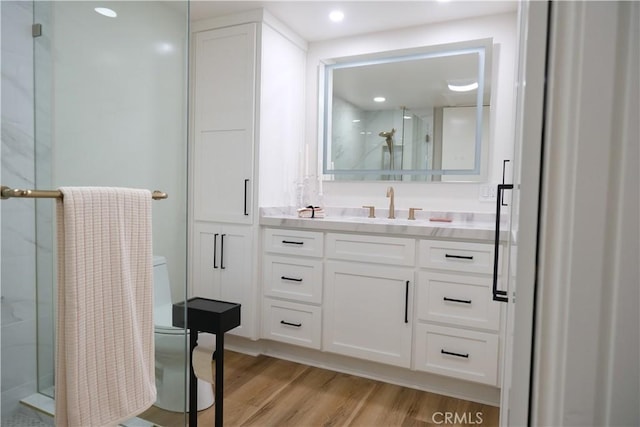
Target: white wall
point(432, 196)
point(281, 125)
point(119, 103)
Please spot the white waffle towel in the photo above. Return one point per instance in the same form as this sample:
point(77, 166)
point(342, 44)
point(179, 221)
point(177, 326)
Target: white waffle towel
point(311, 212)
point(104, 331)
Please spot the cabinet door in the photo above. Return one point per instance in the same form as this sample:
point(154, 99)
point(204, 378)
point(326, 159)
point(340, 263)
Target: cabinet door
point(206, 268)
point(236, 263)
point(224, 116)
point(223, 269)
point(367, 312)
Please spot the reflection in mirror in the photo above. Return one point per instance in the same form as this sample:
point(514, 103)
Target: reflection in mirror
point(407, 116)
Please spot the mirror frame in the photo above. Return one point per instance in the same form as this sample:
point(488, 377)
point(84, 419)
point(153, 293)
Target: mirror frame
point(326, 100)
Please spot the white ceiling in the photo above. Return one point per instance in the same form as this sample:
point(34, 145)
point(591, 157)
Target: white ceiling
point(309, 19)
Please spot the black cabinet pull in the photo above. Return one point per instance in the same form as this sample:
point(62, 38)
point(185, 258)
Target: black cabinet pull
point(498, 295)
point(215, 249)
point(458, 256)
point(293, 279)
point(450, 353)
point(406, 302)
point(297, 325)
point(291, 242)
point(222, 251)
point(246, 181)
point(462, 301)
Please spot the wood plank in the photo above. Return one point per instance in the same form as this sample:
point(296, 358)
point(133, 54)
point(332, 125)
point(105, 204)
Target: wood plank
point(265, 391)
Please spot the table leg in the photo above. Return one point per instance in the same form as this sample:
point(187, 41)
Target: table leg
point(219, 378)
point(193, 381)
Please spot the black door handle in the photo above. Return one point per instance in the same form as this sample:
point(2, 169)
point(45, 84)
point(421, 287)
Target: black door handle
point(406, 302)
point(498, 295)
point(215, 249)
point(292, 279)
point(222, 251)
point(246, 181)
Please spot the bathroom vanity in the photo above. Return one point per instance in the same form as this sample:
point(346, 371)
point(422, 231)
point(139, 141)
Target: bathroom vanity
point(414, 294)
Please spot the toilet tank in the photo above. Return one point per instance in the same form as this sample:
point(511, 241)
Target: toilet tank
point(161, 285)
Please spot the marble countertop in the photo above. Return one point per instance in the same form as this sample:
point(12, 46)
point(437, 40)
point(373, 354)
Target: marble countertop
point(463, 225)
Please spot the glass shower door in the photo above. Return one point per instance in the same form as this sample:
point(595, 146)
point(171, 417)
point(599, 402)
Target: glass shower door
point(111, 110)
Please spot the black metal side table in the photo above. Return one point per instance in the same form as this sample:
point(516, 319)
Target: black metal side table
point(214, 317)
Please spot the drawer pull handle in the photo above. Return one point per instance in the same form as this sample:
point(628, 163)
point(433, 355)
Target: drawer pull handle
point(291, 242)
point(293, 279)
point(461, 301)
point(458, 256)
point(297, 325)
point(450, 353)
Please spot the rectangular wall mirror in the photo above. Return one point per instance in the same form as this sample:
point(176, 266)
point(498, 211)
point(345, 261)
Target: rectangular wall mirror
point(412, 115)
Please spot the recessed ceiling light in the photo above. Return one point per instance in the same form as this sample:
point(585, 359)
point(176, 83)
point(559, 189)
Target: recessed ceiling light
point(463, 88)
point(379, 99)
point(356, 120)
point(336, 16)
point(106, 12)
point(407, 117)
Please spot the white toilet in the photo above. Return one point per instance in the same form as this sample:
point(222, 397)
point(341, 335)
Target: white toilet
point(170, 345)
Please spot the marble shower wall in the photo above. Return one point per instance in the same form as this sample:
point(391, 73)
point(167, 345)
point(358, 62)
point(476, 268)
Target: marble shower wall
point(18, 272)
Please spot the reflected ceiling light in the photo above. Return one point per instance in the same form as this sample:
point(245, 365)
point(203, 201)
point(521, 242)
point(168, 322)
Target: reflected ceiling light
point(165, 48)
point(336, 16)
point(463, 88)
point(106, 12)
point(407, 117)
point(356, 120)
point(379, 99)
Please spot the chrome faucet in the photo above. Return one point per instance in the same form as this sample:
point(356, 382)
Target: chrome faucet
point(392, 208)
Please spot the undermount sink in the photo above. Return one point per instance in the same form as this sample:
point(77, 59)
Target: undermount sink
point(380, 220)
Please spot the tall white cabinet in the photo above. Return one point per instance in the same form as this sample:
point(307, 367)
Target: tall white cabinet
point(247, 75)
point(224, 118)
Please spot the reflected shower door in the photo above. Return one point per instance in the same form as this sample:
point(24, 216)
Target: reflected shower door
point(110, 110)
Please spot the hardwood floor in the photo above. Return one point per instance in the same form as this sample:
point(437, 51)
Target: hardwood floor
point(264, 391)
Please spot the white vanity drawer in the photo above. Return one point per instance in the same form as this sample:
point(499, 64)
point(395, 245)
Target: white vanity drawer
point(457, 300)
point(298, 279)
point(457, 353)
point(459, 256)
point(293, 242)
point(292, 323)
point(377, 249)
